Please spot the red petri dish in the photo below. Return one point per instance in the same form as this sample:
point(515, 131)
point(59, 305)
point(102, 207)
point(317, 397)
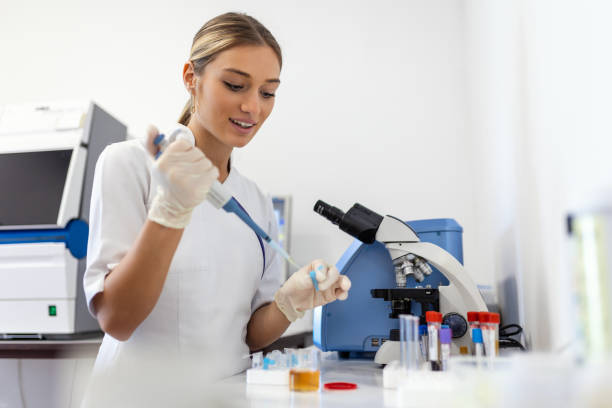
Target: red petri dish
point(340, 386)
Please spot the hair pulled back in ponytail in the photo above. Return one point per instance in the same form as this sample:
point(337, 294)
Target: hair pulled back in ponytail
point(221, 33)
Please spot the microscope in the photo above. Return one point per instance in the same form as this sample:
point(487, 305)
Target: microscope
point(358, 324)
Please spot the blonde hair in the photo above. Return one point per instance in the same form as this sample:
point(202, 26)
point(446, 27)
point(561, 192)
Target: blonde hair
point(221, 33)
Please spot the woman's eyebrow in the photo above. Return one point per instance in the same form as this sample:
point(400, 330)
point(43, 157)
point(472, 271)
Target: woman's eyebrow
point(244, 74)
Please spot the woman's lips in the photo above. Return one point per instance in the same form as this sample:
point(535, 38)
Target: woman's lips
point(241, 129)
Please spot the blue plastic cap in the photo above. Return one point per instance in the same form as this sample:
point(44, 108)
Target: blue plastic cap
point(477, 335)
point(267, 363)
point(422, 329)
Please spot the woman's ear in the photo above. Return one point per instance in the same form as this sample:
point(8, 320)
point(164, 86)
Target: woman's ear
point(189, 77)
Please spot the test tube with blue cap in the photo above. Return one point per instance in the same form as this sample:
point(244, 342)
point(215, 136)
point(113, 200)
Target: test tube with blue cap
point(218, 195)
point(478, 346)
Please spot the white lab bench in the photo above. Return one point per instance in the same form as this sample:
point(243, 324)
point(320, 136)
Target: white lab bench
point(365, 373)
point(54, 373)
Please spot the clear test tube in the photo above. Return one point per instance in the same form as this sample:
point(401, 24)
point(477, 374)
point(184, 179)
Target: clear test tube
point(488, 333)
point(494, 323)
point(409, 342)
point(257, 360)
point(434, 321)
point(446, 336)
point(423, 341)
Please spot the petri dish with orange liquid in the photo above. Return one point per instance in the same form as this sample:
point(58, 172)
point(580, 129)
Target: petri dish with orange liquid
point(304, 380)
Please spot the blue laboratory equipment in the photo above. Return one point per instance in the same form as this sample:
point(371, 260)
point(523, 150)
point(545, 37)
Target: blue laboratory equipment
point(351, 325)
point(395, 268)
point(218, 195)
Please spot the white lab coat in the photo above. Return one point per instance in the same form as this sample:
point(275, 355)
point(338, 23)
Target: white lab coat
point(217, 277)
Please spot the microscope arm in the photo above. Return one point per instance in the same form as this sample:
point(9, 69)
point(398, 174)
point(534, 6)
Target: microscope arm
point(447, 264)
point(392, 229)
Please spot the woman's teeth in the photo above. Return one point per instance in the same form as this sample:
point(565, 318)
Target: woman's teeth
point(242, 124)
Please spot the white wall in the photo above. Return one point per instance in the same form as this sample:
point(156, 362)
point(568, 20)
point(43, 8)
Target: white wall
point(540, 104)
point(372, 106)
point(567, 144)
point(495, 123)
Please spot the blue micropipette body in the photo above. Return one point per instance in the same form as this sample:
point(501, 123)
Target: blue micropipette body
point(221, 198)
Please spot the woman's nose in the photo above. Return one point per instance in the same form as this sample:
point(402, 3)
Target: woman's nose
point(250, 104)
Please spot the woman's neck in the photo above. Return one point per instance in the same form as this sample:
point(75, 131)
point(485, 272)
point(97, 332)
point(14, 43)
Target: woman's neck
point(215, 151)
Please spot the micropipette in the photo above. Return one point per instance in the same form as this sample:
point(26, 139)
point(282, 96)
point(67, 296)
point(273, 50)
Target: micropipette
point(218, 195)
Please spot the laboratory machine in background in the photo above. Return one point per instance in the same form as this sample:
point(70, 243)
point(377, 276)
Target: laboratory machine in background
point(48, 154)
point(590, 238)
point(282, 212)
point(395, 268)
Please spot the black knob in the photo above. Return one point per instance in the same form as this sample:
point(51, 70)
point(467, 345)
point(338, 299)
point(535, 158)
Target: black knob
point(457, 324)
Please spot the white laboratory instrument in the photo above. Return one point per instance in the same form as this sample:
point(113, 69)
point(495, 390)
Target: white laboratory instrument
point(48, 153)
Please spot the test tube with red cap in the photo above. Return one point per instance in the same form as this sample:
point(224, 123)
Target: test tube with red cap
point(493, 331)
point(489, 332)
point(473, 322)
point(434, 321)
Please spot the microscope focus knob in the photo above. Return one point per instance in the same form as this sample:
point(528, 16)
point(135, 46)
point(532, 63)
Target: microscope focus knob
point(457, 324)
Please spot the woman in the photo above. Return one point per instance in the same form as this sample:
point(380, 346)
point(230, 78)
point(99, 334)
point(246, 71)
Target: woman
point(167, 271)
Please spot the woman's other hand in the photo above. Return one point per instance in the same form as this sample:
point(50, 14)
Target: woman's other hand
point(299, 293)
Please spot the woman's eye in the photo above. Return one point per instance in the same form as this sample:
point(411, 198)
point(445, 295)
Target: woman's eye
point(268, 95)
point(233, 87)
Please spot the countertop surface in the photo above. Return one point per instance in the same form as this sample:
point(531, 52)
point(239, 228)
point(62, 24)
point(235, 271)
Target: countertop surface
point(366, 374)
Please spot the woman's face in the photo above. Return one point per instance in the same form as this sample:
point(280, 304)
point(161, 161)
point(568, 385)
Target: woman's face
point(235, 94)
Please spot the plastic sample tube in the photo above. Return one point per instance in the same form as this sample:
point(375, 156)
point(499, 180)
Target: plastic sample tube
point(473, 322)
point(257, 360)
point(446, 336)
point(488, 333)
point(423, 341)
point(409, 342)
point(434, 320)
point(494, 322)
point(478, 346)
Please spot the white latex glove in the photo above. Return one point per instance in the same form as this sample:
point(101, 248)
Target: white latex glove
point(298, 293)
point(183, 176)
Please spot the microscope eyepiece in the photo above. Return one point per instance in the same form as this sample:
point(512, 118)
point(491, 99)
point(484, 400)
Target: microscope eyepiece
point(358, 221)
point(330, 212)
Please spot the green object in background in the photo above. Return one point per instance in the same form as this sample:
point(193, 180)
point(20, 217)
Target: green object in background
point(592, 245)
point(52, 310)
